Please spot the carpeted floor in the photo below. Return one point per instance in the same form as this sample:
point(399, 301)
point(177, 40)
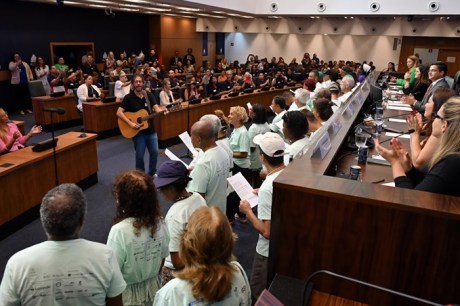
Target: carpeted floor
point(115, 154)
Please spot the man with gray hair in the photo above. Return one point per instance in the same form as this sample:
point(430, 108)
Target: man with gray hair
point(301, 97)
point(346, 87)
point(212, 168)
point(65, 269)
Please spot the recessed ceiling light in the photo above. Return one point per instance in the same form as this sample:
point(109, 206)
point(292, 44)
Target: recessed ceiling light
point(189, 9)
point(97, 5)
point(312, 17)
point(218, 12)
point(274, 17)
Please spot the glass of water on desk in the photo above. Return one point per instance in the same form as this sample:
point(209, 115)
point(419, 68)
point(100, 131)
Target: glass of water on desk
point(360, 138)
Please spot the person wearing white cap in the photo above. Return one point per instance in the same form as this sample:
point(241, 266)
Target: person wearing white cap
point(301, 96)
point(271, 154)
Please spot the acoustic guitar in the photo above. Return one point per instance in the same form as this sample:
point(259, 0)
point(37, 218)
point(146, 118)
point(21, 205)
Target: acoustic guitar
point(140, 117)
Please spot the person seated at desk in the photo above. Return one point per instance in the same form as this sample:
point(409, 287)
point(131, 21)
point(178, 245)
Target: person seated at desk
point(122, 62)
point(223, 77)
point(173, 80)
point(295, 129)
point(247, 82)
point(314, 124)
point(346, 87)
point(210, 275)
point(175, 59)
point(444, 165)
point(422, 150)
point(412, 62)
point(61, 66)
point(10, 137)
point(301, 97)
point(166, 95)
point(73, 81)
point(154, 80)
point(228, 85)
point(179, 71)
point(261, 81)
point(191, 92)
point(189, 68)
point(56, 80)
point(122, 87)
point(87, 92)
point(422, 82)
point(322, 109)
point(279, 80)
point(213, 87)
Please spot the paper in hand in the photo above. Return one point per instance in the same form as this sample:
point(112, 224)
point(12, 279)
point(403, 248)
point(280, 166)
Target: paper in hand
point(185, 137)
point(243, 189)
point(172, 156)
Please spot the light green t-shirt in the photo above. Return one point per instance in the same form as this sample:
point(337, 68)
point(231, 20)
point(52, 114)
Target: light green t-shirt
point(240, 142)
point(254, 130)
point(209, 177)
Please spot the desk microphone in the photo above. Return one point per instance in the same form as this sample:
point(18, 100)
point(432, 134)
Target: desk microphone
point(403, 133)
point(60, 111)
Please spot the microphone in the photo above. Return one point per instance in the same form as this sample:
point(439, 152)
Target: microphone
point(403, 133)
point(60, 111)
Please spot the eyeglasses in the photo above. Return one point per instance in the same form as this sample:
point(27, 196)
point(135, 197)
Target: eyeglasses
point(436, 116)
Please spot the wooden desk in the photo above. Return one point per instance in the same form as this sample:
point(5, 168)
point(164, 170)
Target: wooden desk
point(31, 174)
point(175, 123)
point(400, 239)
point(100, 117)
point(67, 102)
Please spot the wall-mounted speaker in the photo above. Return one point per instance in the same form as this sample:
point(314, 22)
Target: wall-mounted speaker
point(414, 30)
point(267, 29)
point(321, 7)
point(433, 6)
point(236, 28)
point(274, 7)
point(374, 7)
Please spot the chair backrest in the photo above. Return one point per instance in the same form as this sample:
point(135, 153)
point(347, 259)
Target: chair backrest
point(450, 81)
point(36, 88)
point(182, 93)
point(111, 89)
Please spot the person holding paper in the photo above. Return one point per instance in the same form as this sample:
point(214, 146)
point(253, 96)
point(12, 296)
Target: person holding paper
point(209, 176)
point(272, 157)
point(241, 146)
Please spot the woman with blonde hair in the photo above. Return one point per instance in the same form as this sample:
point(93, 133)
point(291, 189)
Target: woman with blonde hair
point(10, 137)
point(210, 275)
point(139, 237)
point(444, 166)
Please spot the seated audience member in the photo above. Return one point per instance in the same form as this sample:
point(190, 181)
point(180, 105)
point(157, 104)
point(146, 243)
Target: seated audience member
point(73, 81)
point(122, 61)
point(180, 70)
point(247, 81)
point(261, 81)
point(166, 95)
point(290, 77)
point(189, 67)
point(313, 76)
point(334, 89)
point(189, 56)
point(301, 97)
point(444, 165)
point(288, 98)
point(390, 67)
point(56, 80)
point(152, 57)
point(346, 87)
point(278, 106)
point(87, 92)
point(213, 87)
point(171, 180)
point(10, 137)
point(322, 109)
point(90, 66)
point(175, 59)
point(420, 87)
point(228, 85)
point(363, 71)
point(412, 62)
point(173, 80)
point(272, 148)
point(241, 147)
point(139, 237)
point(88, 271)
point(279, 80)
point(98, 80)
point(314, 124)
point(212, 167)
point(326, 79)
point(191, 92)
point(210, 276)
point(122, 86)
point(436, 74)
point(155, 81)
point(422, 150)
point(61, 66)
point(259, 126)
point(295, 129)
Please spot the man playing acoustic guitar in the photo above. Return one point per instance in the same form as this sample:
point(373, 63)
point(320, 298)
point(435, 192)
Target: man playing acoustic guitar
point(144, 133)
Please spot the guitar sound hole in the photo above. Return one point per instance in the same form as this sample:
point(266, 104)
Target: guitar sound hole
point(139, 120)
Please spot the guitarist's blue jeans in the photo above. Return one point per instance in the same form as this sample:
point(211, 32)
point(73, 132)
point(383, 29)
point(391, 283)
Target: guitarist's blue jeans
point(144, 141)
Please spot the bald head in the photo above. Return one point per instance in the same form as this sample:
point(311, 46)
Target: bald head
point(204, 130)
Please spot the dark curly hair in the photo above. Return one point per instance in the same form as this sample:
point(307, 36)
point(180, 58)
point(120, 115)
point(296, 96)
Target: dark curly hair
point(136, 197)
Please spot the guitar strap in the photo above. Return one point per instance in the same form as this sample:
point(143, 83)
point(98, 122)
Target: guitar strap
point(149, 106)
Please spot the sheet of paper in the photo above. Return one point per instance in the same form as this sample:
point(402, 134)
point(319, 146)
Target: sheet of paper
point(395, 103)
point(249, 105)
point(400, 108)
point(185, 137)
point(390, 184)
point(391, 134)
point(397, 120)
point(378, 157)
point(243, 189)
point(172, 156)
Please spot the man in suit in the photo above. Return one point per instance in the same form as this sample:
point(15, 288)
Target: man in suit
point(436, 74)
point(175, 59)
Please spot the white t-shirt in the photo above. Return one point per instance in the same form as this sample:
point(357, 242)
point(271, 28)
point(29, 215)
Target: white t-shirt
point(343, 98)
point(139, 258)
point(178, 292)
point(56, 272)
point(225, 144)
point(120, 90)
point(293, 107)
point(297, 149)
point(209, 176)
point(177, 218)
point(273, 125)
point(264, 210)
point(240, 142)
point(254, 130)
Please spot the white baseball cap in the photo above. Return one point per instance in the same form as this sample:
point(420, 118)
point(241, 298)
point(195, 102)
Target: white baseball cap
point(270, 143)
